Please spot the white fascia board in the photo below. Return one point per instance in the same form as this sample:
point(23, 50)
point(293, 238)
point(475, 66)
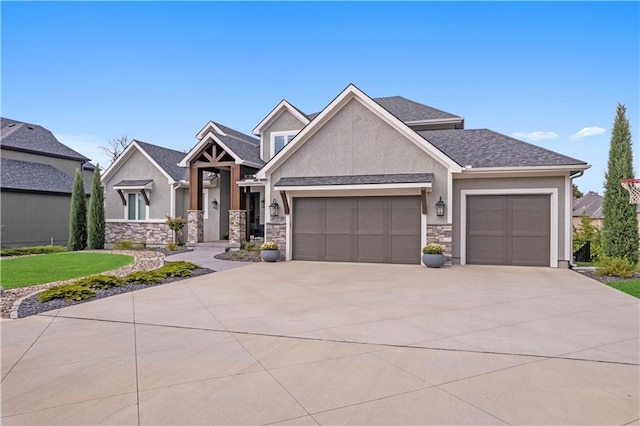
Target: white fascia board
point(360, 187)
point(251, 183)
point(352, 92)
point(435, 121)
point(204, 130)
point(125, 154)
point(205, 140)
point(251, 164)
point(276, 113)
point(148, 187)
point(526, 169)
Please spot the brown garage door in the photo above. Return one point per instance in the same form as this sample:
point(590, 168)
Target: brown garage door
point(357, 229)
point(508, 229)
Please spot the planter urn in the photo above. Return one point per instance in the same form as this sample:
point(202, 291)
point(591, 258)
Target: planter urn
point(433, 260)
point(270, 255)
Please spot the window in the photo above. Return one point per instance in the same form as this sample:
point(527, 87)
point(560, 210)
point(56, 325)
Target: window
point(279, 140)
point(136, 207)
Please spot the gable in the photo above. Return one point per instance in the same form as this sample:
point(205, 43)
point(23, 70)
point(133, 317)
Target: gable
point(284, 122)
point(132, 154)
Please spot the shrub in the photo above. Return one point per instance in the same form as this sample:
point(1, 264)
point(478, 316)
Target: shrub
point(177, 269)
point(433, 248)
point(615, 267)
point(250, 247)
point(269, 245)
point(24, 251)
point(172, 246)
point(100, 281)
point(139, 246)
point(123, 245)
point(69, 292)
point(144, 277)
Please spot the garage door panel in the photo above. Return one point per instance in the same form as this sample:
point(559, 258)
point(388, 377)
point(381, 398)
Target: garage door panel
point(487, 250)
point(360, 229)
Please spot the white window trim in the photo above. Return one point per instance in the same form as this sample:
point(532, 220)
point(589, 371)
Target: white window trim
point(205, 202)
point(126, 208)
point(553, 192)
point(272, 137)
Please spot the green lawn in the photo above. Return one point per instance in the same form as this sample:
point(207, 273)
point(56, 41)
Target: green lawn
point(45, 268)
point(631, 287)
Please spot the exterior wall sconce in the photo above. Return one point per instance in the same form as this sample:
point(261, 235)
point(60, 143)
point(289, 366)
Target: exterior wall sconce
point(262, 204)
point(215, 204)
point(440, 207)
point(273, 208)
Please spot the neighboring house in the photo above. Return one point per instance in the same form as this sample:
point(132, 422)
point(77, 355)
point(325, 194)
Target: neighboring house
point(374, 180)
point(590, 204)
point(36, 184)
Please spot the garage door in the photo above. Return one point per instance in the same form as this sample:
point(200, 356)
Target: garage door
point(508, 229)
point(357, 229)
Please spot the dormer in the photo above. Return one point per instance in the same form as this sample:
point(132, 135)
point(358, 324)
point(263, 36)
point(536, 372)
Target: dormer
point(278, 128)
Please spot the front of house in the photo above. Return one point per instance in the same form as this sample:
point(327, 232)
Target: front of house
point(374, 180)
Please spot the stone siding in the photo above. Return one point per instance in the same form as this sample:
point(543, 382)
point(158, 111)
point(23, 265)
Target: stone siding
point(442, 234)
point(277, 232)
point(138, 232)
point(195, 226)
point(237, 227)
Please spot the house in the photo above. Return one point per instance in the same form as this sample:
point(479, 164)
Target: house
point(36, 183)
point(373, 180)
point(590, 204)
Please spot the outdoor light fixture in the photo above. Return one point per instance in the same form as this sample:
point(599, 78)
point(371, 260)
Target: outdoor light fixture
point(215, 204)
point(273, 208)
point(440, 207)
point(262, 203)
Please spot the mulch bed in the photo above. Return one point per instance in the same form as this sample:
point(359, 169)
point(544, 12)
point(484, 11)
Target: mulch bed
point(605, 278)
point(240, 256)
point(31, 305)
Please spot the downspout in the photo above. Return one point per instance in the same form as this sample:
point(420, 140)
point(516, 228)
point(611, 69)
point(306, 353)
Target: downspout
point(571, 178)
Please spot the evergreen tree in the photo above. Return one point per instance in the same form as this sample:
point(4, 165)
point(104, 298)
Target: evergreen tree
point(576, 191)
point(95, 219)
point(78, 216)
point(620, 231)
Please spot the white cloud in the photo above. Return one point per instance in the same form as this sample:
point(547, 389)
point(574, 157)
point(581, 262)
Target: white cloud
point(87, 145)
point(586, 132)
point(535, 136)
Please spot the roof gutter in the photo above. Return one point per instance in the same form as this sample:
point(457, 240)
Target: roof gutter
point(435, 121)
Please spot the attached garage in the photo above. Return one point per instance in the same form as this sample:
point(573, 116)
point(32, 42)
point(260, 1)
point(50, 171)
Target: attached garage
point(357, 229)
point(508, 229)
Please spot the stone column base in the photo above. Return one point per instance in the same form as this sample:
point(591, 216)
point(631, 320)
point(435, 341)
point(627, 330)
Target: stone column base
point(237, 227)
point(441, 234)
point(195, 226)
point(277, 232)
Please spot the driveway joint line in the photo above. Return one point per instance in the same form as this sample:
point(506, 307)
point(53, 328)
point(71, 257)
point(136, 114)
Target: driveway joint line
point(135, 354)
point(389, 345)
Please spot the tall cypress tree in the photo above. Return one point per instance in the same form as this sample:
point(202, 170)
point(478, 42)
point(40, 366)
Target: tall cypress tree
point(620, 230)
point(95, 220)
point(78, 216)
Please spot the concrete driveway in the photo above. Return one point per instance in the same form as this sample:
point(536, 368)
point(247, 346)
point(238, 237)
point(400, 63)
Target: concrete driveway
point(322, 343)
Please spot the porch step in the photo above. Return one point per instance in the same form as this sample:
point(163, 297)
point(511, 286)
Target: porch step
point(223, 244)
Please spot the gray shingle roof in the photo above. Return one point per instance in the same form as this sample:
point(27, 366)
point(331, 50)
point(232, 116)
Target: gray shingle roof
point(591, 205)
point(133, 182)
point(20, 136)
point(356, 180)
point(406, 110)
point(166, 158)
point(244, 146)
point(28, 176)
point(486, 148)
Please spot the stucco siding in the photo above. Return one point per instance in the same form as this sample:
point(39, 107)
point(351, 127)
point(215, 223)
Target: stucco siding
point(137, 167)
point(356, 142)
point(33, 219)
point(508, 183)
point(284, 122)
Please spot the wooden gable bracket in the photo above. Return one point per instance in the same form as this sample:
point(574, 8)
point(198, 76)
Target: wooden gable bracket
point(146, 198)
point(124, 200)
point(285, 203)
point(423, 196)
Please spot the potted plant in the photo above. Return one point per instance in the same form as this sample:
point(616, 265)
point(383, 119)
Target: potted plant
point(432, 255)
point(269, 251)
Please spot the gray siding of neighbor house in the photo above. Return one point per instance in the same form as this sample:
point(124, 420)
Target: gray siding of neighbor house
point(509, 183)
point(357, 142)
point(66, 166)
point(137, 167)
point(33, 219)
point(284, 122)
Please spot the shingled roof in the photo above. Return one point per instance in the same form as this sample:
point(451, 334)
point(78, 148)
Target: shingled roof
point(486, 148)
point(246, 147)
point(26, 137)
point(19, 175)
point(356, 179)
point(167, 159)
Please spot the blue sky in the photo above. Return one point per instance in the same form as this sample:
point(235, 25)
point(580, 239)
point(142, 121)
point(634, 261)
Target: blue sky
point(548, 73)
